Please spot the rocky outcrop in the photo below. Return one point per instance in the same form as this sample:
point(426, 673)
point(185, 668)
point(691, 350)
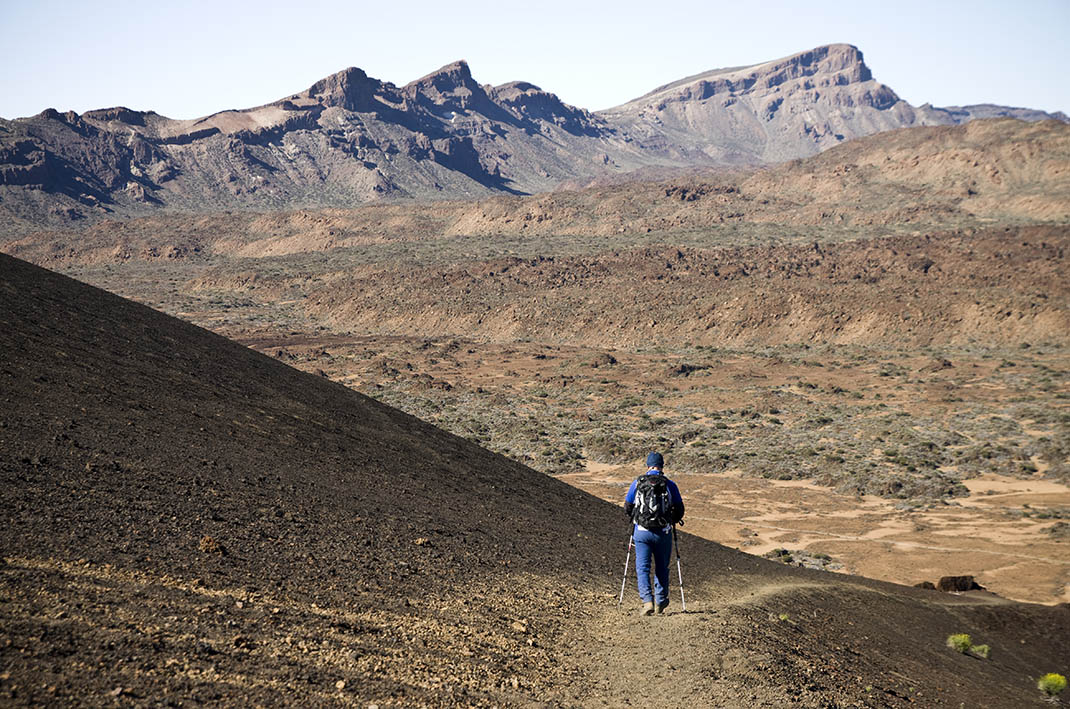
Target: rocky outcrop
point(351, 89)
point(783, 109)
point(958, 584)
point(531, 104)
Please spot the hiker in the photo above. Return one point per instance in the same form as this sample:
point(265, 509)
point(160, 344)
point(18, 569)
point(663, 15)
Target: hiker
point(654, 504)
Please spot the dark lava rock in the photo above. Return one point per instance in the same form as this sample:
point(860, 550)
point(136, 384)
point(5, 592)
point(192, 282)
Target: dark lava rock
point(958, 584)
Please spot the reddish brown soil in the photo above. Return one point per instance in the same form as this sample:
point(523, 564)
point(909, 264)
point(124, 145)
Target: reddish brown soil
point(1000, 286)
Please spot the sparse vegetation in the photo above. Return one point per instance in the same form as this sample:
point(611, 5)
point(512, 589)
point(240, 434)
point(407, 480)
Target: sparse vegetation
point(959, 642)
point(1051, 684)
point(805, 559)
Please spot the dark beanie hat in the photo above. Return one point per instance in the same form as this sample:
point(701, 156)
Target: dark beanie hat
point(654, 460)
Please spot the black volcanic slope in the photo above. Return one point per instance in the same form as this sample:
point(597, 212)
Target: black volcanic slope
point(185, 521)
point(128, 436)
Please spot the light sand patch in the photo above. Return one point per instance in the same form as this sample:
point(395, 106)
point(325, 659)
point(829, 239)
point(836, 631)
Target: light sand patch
point(799, 485)
point(1040, 464)
point(808, 543)
point(990, 485)
point(889, 529)
point(1028, 576)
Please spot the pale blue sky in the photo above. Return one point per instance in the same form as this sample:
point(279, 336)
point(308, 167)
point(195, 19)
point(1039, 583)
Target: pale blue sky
point(188, 59)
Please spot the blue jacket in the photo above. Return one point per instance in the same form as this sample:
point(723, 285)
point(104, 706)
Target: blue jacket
point(674, 494)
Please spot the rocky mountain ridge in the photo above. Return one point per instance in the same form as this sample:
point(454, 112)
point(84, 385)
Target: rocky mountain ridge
point(351, 139)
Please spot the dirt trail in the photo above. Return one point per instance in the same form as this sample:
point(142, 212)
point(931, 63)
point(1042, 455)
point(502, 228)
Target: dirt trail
point(683, 657)
point(753, 641)
point(669, 660)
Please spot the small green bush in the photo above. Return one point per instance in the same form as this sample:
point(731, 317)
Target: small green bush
point(1051, 684)
point(981, 651)
point(960, 642)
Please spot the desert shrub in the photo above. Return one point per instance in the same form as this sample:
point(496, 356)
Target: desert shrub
point(688, 459)
point(614, 447)
point(782, 555)
point(1051, 684)
point(628, 402)
point(981, 650)
point(934, 485)
point(989, 457)
point(959, 642)
point(1055, 451)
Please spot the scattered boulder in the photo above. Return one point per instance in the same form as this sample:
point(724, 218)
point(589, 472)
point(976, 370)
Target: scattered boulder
point(603, 360)
point(927, 585)
point(684, 369)
point(1059, 530)
point(958, 584)
point(818, 561)
point(209, 545)
point(937, 365)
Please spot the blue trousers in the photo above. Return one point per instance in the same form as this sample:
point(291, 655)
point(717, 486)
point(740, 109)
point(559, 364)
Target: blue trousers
point(657, 546)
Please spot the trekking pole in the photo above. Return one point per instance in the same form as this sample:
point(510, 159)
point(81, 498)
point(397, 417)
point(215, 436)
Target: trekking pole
point(624, 580)
point(679, 573)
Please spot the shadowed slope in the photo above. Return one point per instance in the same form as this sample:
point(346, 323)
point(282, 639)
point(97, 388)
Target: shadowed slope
point(363, 545)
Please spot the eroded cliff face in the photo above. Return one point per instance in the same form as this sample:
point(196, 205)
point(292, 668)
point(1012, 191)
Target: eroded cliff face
point(784, 109)
point(351, 138)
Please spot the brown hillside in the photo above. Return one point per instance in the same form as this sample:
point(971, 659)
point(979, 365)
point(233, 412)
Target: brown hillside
point(896, 182)
point(997, 286)
point(187, 521)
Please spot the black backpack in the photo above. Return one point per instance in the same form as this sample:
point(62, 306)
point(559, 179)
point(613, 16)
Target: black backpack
point(653, 503)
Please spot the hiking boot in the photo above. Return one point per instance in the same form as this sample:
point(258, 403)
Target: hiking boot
point(648, 608)
point(661, 607)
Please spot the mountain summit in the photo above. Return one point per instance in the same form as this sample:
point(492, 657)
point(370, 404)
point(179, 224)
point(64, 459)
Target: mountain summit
point(770, 112)
point(351, 138)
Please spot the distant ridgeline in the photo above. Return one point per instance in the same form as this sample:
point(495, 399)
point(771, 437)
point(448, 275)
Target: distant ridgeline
point(351, 139)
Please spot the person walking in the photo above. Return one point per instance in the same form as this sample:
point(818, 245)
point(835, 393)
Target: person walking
point(654, 505)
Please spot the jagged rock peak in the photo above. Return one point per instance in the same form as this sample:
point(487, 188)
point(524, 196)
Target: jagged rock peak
point(845, 58)
point(450, 77)
point(528, 102)
point(452, 88)
point(513, 89)
point(844, 61)
point(350, 88)
point(120, 114)
point(830, 58)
